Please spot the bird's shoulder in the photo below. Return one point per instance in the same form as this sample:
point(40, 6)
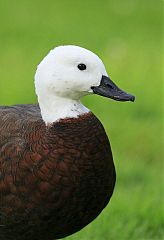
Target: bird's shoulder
point(19, 125)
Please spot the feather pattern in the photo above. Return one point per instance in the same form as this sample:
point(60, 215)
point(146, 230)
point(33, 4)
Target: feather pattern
point(54, 180)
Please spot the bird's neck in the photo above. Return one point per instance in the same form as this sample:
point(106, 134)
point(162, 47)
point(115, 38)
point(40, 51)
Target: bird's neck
point(55, 108)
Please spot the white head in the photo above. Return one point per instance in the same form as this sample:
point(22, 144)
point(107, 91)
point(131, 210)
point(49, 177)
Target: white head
point(65, 75)
point(60, 83)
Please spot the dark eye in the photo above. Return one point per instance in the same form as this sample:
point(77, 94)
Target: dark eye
point(82, 66)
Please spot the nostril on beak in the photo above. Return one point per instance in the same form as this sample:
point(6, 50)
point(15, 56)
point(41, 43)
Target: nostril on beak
point(109, 86)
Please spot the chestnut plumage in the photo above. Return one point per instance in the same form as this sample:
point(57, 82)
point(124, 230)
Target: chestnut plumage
point(53, 180)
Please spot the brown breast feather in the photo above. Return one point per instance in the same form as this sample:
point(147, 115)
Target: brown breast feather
point(53, 180)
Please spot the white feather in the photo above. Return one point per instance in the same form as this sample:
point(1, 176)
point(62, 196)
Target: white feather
point(60, 84)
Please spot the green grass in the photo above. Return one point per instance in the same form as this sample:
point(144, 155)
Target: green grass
point(127, 35)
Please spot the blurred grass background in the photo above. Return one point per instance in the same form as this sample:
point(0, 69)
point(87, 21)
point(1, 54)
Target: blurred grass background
point(127, 35)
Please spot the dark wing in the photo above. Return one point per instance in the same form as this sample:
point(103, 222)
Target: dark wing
point(18, 132)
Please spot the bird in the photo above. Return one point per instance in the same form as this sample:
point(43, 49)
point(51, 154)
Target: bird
point(56, 167)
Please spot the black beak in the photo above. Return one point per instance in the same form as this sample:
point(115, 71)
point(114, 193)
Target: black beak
point(107, 88)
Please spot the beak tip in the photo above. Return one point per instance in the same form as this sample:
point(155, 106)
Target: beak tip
point(132, 99)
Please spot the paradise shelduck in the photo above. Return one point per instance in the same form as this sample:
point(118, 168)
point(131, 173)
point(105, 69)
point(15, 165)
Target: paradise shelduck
point(56, 168)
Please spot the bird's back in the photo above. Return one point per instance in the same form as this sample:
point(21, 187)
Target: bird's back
point(14, 120)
